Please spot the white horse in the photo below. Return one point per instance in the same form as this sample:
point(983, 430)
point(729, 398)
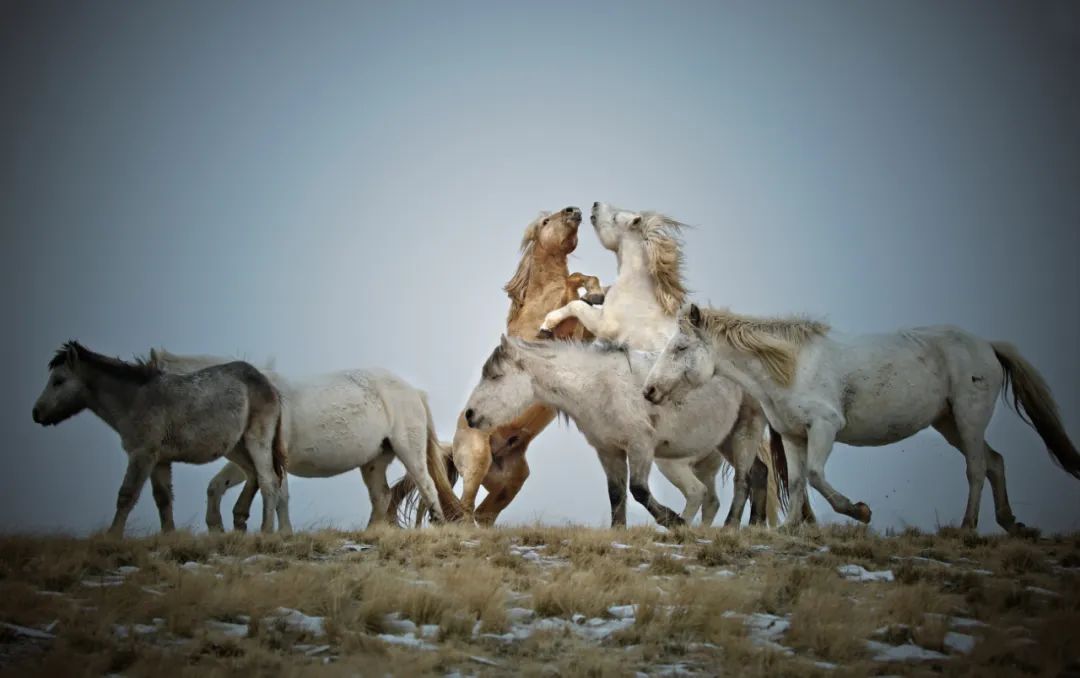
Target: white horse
point(337, 422)
point(868, 390)
point(599, 387)
point(229, 410)
point(640, 307)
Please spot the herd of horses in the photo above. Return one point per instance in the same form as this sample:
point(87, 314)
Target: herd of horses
point(645, 375)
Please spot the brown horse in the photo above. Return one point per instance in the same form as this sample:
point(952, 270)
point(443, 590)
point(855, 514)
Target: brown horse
point(495, 458)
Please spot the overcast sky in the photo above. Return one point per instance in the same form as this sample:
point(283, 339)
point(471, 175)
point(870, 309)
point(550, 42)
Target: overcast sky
point(345, 184)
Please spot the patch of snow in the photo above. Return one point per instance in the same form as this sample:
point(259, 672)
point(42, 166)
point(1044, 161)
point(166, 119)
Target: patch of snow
point(484, 660)
point(429, 631)
point(520, 614)
point(924, 560)
point(354, 547)
point(618, 546)
point(901, 653)
point(394, 623)
point(121, 631)
point(311, 651)
point(295, 620)
point(408, 640)
point(679, 669)
point(828, 666)
point(125, 570)
point(1042, 592)
point(704, 541)
point(623, 611)
point(52, 594)
point(959, 642)
point(660, 544)
point(151, 590)
point(104, 581)
point(860, 573)
point(227, 628)
point(981, 573)
point(470, 543)
point(760, 547)
point(27, 632)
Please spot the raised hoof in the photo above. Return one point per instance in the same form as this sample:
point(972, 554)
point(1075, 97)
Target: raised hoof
point(862, 513)
point(593, 299)
point(545, 334)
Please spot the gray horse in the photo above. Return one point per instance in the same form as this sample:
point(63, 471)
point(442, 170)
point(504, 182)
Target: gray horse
point(228, 410)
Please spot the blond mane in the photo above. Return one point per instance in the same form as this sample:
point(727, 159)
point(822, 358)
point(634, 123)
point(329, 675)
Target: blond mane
point(775, 341)
point(515, 288)
point(663, 251)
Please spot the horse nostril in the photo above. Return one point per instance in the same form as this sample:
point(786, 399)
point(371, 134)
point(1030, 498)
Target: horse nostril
point(469, 416)
point(595, 206)
point(649, 393)
point(570, 210)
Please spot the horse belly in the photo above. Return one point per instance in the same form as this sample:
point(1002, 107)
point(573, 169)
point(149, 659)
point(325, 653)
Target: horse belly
point(880, 412)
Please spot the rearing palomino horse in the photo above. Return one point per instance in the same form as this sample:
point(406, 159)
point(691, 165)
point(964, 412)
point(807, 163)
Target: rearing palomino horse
point(495, 458)
point(867, 390)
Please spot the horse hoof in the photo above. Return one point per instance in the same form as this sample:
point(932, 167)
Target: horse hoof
point(545, 334)
point(862, 513)
point(594, 299)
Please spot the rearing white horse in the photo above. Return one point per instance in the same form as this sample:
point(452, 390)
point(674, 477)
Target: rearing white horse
point(639, 309)
point(867, 390)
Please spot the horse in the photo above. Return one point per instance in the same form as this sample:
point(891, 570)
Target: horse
point(495, 458)
point(334, 423)
point(867, 390)
point(641, 306)
point(598, 386)
point(639, 309)
point(228, 410)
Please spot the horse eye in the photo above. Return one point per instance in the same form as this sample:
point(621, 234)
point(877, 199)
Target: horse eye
point(545, 222)
point(496, 377)
point(58, 381)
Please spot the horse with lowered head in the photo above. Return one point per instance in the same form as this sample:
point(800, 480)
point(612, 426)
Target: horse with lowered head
point(228, 410)
point(866, 390)
point(598, 386)
point(495, 458)
point(335, 423)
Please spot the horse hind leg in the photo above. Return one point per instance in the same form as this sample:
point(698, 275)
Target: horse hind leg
point(706, 471)
point(258, 441)
point(374, 473)
point(231, 474)
point(995, 472)
point(515, 472)
point(282, 508)
point(161, 484)
point(412, 451)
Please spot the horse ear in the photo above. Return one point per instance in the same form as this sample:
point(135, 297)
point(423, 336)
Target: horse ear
point(155, 356)
point(695, 316)
point(636, 221)
point(504, 342)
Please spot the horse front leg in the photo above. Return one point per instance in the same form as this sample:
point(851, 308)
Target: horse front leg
point(161, 484)
point(139, 466)
point(516, 471)
point(587, 315)
point(614, 464)
point(639, 461)
point(472, 457)
point(820, 438)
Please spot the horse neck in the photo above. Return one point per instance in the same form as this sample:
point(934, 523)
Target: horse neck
point(633, 271)
point(744, 369)
point(111, 398)
point(558, 380)
point(547, 267)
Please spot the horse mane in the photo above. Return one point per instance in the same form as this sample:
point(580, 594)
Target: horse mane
point(775, 341)
point(499, 356)
point(515, 288)
point(663, 252)
point(139, 371)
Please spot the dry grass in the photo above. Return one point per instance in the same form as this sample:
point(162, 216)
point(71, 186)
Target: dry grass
point(694, 590)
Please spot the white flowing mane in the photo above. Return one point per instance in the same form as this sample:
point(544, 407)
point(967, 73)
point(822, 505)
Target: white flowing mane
point(663, 251)
point(775, 341)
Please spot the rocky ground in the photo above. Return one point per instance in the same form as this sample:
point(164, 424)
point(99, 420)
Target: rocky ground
point(830, 601)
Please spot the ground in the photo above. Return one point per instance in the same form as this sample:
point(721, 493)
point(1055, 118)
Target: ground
point(452, 601)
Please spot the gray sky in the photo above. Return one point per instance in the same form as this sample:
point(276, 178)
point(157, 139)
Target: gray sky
point(345, 184)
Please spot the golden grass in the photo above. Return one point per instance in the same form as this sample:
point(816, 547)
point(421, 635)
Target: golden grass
point(466, 581)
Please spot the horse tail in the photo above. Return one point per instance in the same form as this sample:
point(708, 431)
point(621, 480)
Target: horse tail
point(405, 498)
point(772, 488)
point(452, 508)
point(1039, 411)
point(780, 472)
point(280, 454)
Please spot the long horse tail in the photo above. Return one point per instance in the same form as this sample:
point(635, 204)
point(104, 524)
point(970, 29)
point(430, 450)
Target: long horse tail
point(779, 466)
point(452, 508)
point(280, 454)
point(405, 505)
point(1039, 411)
point(773, 500)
